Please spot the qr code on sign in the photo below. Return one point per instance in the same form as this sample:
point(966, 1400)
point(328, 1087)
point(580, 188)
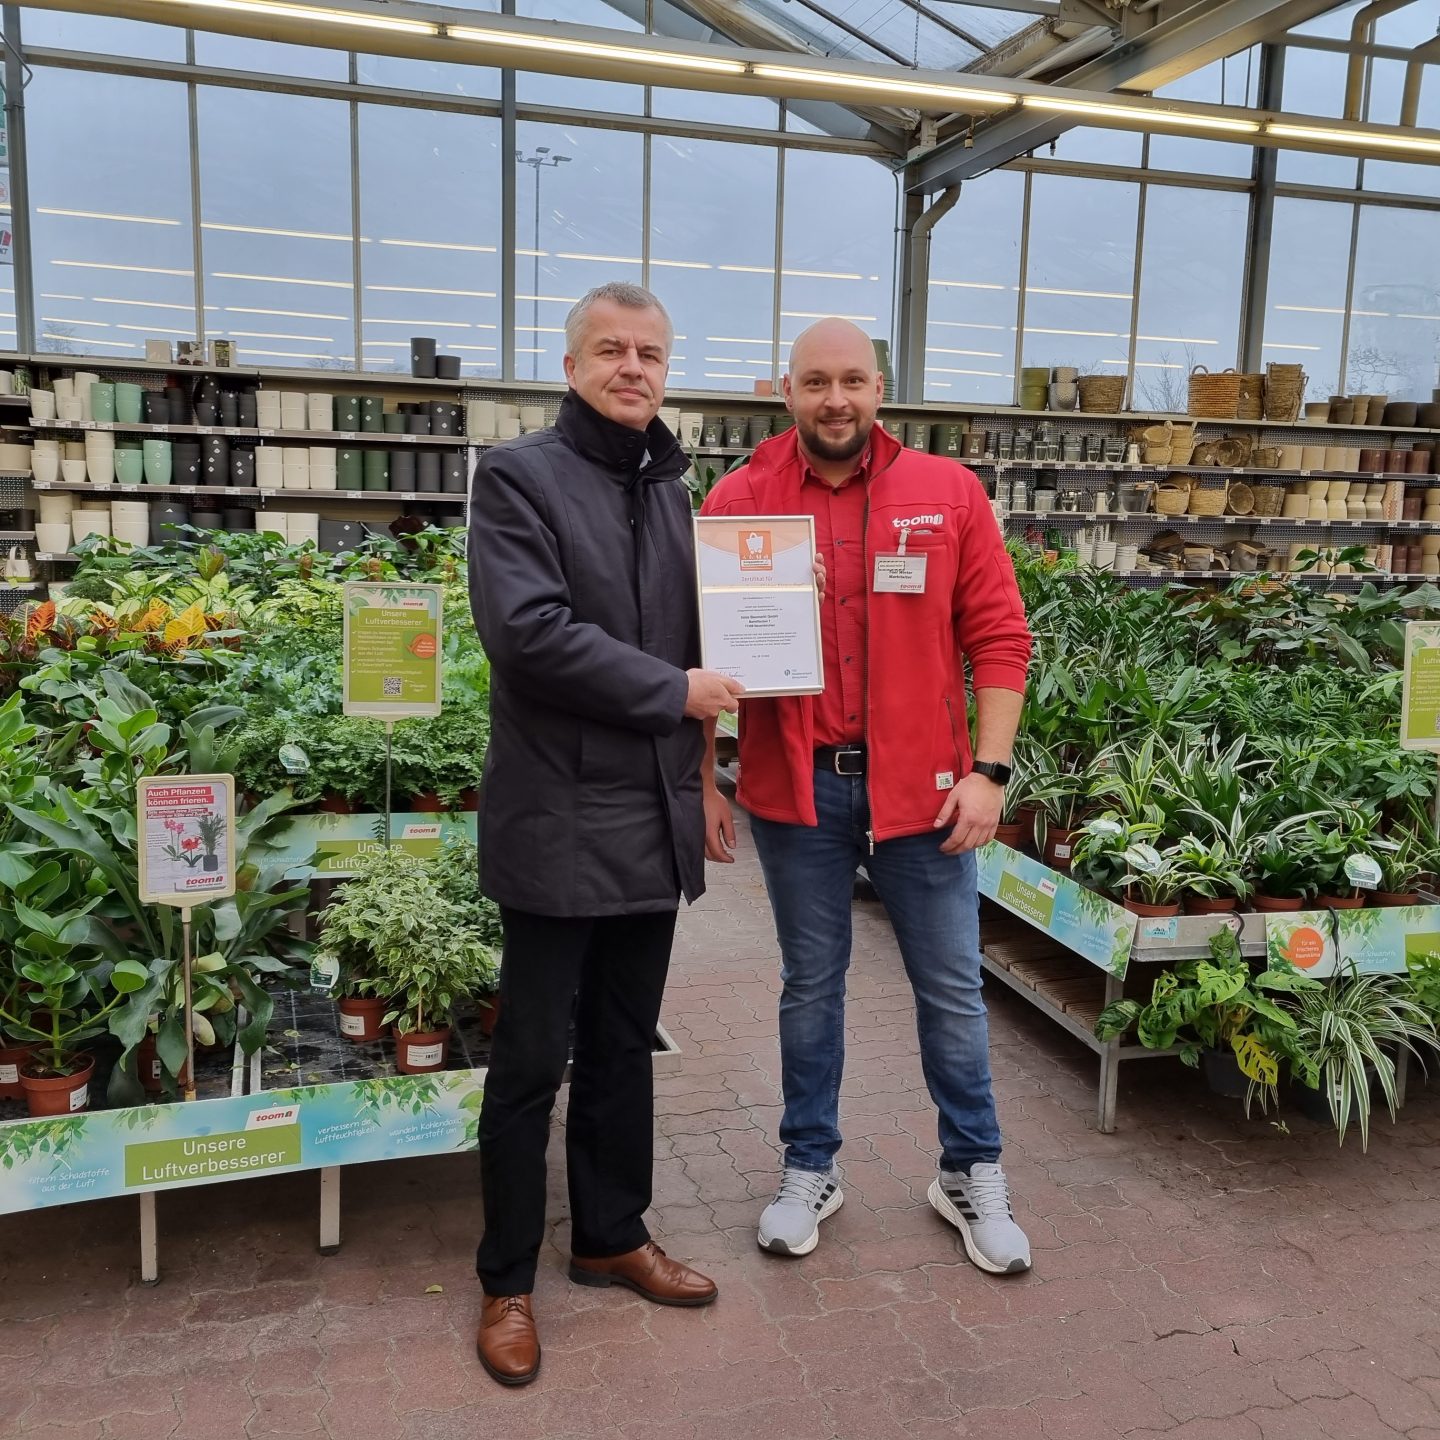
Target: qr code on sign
point(394, 687)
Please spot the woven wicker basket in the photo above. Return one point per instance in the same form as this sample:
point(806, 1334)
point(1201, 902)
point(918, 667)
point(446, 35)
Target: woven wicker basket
point(1102, 394)
point(1214, 397)
point(1208, 501)
point(1269, 499)
point(1158, 455)
point(1242, 499)
point(1284, 392)
point(1251, 402)
point(1172, 499)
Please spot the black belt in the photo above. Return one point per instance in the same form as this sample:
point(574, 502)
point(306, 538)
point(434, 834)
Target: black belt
point(842, 759)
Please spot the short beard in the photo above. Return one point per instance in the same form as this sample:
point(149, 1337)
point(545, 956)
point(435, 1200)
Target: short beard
point(823, 449)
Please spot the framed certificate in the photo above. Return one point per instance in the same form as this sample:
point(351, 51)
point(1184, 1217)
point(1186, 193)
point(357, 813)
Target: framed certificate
point(759, 608)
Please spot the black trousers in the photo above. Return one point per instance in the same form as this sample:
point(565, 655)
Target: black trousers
point(610, 974)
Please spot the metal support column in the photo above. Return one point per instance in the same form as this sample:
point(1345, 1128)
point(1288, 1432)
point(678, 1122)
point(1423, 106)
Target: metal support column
point(911, 292)
point(507, 214)
point(329, 1209)
point(21, 251)
point(149, 1244)
point(1262, 219)
point(1109, 1066)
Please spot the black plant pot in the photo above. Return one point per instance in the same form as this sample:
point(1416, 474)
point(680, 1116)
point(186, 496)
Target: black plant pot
point(229, 408)
point(447, 367)
point(210, 864)
point(205, 413)
point(427, 472)
point(165, 521)
point(208, 519)
point(417, 424)
point(1223, 1074)
point(242, 467)
point(422, 357)
point(239, 519)
point(452, 472)
point(402, 470)
point(247, 411)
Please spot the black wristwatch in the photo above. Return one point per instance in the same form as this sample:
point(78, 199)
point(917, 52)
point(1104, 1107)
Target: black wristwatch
point(993, 770)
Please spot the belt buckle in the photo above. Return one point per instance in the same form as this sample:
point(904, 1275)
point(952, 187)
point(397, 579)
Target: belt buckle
point(857, 755)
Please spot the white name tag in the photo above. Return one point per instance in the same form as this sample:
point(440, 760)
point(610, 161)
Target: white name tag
point(900, 574)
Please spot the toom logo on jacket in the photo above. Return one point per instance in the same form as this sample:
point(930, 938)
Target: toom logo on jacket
point(756, 551)
point(914, 520)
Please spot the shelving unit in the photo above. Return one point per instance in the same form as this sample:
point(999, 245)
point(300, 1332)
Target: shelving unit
point(994, 419)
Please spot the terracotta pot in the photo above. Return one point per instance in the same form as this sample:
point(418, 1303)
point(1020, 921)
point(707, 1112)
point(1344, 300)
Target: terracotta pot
point(489, 1013)
point(1012, 834)
point(58, 1094)
point(418, 1053)
point(1274, 904)
point(469, 799)
point(1139, 907)
point(12, 1057)
point(360, 1017)
point(1342, 902)
point(151, 1069)
point(1059, 846)
point(1206, 905)
point(1381, 899)
point(427, 803)
point(335, 805)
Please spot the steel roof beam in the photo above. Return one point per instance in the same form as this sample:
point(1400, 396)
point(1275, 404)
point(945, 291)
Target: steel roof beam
point(1173, 48)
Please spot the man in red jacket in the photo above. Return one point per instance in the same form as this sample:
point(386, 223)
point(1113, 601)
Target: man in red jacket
point(879, 771)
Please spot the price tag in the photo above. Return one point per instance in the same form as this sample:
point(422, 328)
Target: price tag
point(324, 974)
point(347, 434)
point(268, 434)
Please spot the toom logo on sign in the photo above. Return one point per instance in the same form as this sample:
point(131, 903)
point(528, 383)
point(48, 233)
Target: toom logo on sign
point(756, 551)
point(268, 1119)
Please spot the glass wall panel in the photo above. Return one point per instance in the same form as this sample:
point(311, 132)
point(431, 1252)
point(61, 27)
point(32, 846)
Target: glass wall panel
point(1079, 291)
point(1394, 344)
point(55, 30)
point(839, 244)
point(532, 88)
point(975, 293)
point(1387, 85)
point(1191, 283)
point(753, 111)
point(235, 52)
point(112, 238)
point(1234, 81)
point(433, 77)
point(712, 258)
point(578, 222)
point(1094, 146)
point(1309, 261)
point(275, 226)
point(1315, 85)
point(430, 227)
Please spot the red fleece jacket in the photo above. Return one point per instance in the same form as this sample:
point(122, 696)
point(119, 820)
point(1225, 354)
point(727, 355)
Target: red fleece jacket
point(915, 709)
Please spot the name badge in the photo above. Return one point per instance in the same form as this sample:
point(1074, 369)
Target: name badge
point(900, 574)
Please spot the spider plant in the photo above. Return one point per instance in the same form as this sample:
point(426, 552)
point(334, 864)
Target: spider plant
point(1340, 1037)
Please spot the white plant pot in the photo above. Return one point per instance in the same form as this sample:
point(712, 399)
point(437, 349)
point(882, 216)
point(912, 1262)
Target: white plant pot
point(73, 471)
point(45, 466)
point(42, 404)
point(52, 537)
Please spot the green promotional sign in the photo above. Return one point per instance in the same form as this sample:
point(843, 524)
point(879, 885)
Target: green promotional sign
point(392, 650)
point(212, 1157)
point(1420, 705)
point(1027, 900)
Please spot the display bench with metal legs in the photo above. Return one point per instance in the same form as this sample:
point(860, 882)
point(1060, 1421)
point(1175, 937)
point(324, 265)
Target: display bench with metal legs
point(1077, 952)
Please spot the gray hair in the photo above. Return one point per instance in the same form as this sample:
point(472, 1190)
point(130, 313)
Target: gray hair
point(619, 292)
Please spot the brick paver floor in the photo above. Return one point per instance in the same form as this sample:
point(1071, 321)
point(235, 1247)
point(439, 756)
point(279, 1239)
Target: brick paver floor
point(1196, 1275)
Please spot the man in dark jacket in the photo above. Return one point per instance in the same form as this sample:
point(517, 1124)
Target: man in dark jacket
point(582, 583)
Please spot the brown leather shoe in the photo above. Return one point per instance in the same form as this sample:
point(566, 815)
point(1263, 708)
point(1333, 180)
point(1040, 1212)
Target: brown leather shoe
point(648, 1272)
point(507, 1344)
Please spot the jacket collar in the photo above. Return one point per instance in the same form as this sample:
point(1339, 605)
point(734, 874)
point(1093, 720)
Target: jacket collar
point(617, 447)
point(782, 452)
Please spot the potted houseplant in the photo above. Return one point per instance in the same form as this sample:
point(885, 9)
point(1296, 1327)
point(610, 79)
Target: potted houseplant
point(1153, 880)
point(1284, 870)
point(1342, 1039)
point(1060, 798)
point(1217, 880)
point(456, 870)
point(1343, 846)
point(1017, 810)
point(1409, 855)
point(1217, 1014)
point(1099, 852)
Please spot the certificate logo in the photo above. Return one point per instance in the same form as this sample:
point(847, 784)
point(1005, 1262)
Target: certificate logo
point(756, 550)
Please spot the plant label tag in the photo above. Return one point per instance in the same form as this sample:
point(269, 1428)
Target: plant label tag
point(1363, 871)
point(900, 574)
point(1062, 852)
point(426, 1054)
point(294, 759)
point(80, 1098)
point(1166, 929)
point(324, 972)
point(9, 1074)
point(352, 1025)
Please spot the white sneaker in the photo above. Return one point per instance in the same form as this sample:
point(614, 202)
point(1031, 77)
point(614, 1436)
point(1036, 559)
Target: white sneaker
point(978, 1206)
point(790, 1224)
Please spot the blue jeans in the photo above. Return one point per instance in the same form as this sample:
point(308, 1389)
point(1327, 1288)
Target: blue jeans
point(932, 903)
